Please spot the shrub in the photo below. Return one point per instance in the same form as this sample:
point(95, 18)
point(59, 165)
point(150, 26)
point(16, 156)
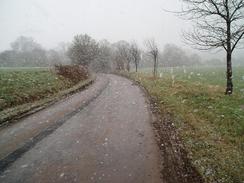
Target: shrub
point(74, 73)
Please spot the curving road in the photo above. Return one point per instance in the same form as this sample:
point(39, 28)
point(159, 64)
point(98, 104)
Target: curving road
point(110, 140)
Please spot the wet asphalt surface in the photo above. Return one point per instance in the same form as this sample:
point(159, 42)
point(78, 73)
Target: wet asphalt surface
point(110, 140)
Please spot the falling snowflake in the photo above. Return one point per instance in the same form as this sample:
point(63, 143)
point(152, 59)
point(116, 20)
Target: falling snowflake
point(24, 166)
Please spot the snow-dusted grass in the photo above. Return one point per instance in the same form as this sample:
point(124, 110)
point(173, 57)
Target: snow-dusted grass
point(24, 85)
point(26, 89)
point(210, 123)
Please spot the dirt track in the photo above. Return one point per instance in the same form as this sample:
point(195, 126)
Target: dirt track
point(110, 140)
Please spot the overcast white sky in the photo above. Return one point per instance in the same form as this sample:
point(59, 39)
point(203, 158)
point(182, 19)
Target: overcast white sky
point(52, 21)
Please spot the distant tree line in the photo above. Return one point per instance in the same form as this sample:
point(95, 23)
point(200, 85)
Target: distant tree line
point(25, 52)
point(123, 55)
point(100, 56)
point(103, 56)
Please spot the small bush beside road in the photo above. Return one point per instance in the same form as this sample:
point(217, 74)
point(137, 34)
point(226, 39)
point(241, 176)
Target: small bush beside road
point(75, 73)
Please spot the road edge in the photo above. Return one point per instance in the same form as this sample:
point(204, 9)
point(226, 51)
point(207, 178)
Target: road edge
point(16, 154)
point(175, 165)
point(44, 103)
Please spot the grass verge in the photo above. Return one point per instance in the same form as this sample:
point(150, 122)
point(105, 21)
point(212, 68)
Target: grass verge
point(25, 91)
point(210, 124)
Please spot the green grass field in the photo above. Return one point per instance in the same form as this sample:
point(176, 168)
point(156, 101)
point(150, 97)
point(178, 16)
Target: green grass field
point(211, 124)
point(24, 85)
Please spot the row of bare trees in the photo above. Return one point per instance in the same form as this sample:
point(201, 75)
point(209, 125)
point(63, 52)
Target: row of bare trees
point(104, 56)
point(100, 56)
point(127, 53)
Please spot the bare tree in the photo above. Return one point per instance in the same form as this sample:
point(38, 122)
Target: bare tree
point(219, 24)
point(122, 55)
point(83, 50)
point(135, 54)
point(153, 52)
point(25, 44)
point(103, 62)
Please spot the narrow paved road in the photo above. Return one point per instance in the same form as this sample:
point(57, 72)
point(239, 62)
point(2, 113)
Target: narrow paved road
point(110, 140)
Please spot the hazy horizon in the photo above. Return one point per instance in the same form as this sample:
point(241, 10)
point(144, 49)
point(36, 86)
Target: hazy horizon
point(51, 22)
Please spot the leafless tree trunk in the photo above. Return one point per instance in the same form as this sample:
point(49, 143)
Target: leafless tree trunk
point(218, 24)
point(135, 54)
point(153, 52)
point(128, 66)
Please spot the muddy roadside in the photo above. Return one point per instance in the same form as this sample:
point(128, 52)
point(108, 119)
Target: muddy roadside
point(176, 167)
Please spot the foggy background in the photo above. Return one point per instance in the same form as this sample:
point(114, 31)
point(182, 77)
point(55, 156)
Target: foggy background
point(50, 22)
